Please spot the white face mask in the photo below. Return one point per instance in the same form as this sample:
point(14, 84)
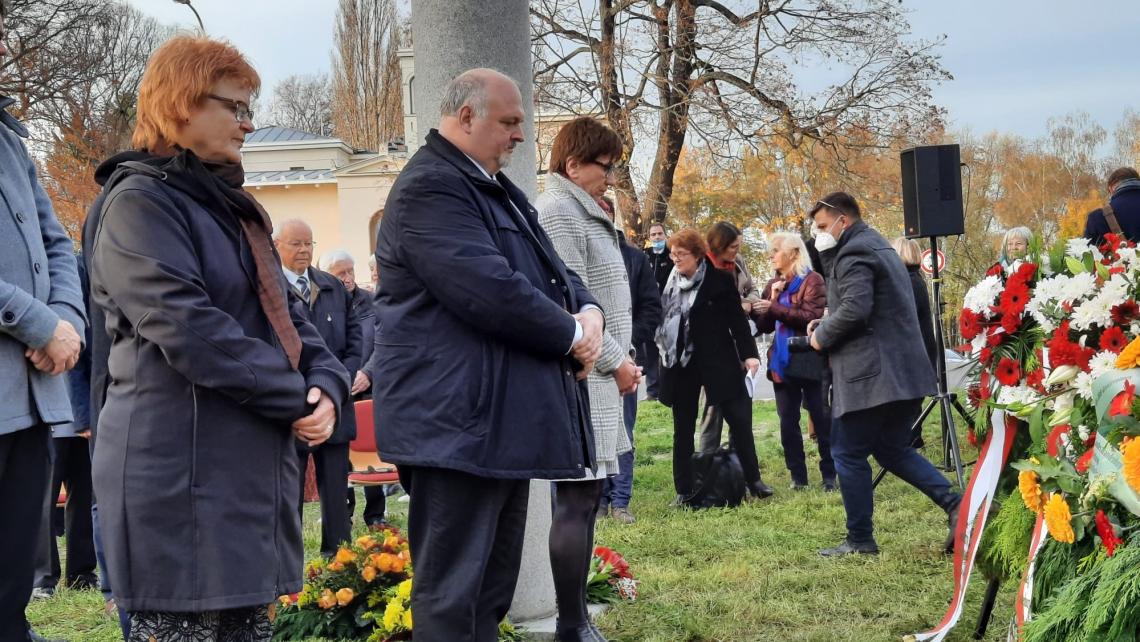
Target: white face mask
point(825, 241)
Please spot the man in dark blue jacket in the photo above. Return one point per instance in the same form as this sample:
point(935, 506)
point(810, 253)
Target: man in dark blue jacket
point(646, 300)
point(1122, 212)
point(329, 307)
point(660, 266)
point(484, 339)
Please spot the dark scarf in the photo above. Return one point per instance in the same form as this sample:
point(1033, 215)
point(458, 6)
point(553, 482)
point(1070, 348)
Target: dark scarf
point(674, 341)
point(219, 185)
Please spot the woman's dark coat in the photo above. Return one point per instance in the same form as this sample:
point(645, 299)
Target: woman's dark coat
point(925, 317)
point(807, 305)
point(471, 366)
point(194, 467)
point(722, 340)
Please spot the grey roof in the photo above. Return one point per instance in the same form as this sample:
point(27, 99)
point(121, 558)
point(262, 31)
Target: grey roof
point(275, 134)
point(290, 176)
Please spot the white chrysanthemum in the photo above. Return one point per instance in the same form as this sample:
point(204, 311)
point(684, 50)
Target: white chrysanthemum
point(1096, 311)
point(1083, 432)
point(1115, 290)
point(1018, 395)
point(1083, 384)
point(1046, 266)
point(1077, 247)
point(1127, 256)
point(1102, 363)
point(1078, 287)
point(983, 295)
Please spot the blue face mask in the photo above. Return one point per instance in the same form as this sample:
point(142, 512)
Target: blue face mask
point(659, 245)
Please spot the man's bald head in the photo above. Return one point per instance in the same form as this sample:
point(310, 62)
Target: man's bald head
point(294, 240)
point(482, 115)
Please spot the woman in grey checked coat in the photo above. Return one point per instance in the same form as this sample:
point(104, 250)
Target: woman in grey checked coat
point(581, 169)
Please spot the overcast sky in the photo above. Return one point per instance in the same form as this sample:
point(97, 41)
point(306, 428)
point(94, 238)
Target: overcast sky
point(1015, 62)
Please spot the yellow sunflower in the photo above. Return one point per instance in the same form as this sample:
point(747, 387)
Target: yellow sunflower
point(1030, 490)
point(1130, 356)
point(1130, 451)
point(1059, 520)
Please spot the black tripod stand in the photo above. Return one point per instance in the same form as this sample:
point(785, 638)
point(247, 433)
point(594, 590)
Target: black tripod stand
point(945, 401)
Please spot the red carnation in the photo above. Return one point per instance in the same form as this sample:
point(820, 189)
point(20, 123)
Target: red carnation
point(1107, 532)
point(1015, 297)
point(1008, 372)
point(1124, 313)
point(985, 355)
point(1121, 405)
point(1036, 379)
point(972, 437)
point(1052, 445)
point(1024, 273)
point(1083, 463)
point(1113, 340)
point(969, 324)
point(995, 270)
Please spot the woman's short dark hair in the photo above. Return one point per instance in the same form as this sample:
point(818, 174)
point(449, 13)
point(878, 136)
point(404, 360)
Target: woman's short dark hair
point(721, 235)
point(689, 240)
point(839, 201)
point(584, 139)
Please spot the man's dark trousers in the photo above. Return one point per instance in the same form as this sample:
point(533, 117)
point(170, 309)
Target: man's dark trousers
point(331, 462)
point(25, 469)
point(884, 432)
point(619, 489)
point(466, 536)
point(71, 466)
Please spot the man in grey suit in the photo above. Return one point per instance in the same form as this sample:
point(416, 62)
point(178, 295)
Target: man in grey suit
point(41, 320)
point(880, 372)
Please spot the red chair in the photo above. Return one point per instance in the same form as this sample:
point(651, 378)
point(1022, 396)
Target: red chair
point(367, 467)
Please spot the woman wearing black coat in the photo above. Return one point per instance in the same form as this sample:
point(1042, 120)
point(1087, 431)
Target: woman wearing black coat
point(705, 340)
point(212, 373)
point(911, 255)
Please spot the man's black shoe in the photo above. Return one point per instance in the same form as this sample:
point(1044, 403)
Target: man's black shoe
point(759, 489)
point(585, 633)
point(829, 486)
point(952, 520)
point(848, 547)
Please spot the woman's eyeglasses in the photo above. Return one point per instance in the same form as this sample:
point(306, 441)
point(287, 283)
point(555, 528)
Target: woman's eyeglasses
point(241, 110)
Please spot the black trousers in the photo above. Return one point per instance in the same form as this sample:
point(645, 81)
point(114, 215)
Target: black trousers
point(71, 466)
point(789, 397)
point(25, 468)
point(737, 413)
point(331, 462)
point(466, 536)
point(375, 504)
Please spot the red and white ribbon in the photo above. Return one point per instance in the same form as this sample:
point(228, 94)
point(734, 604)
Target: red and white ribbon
point(1023, 606)
point(975, 508)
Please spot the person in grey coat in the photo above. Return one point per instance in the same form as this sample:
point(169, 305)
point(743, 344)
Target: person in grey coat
point(213, 372)
point(582, 157)
point(880, 371)
point(41, 327)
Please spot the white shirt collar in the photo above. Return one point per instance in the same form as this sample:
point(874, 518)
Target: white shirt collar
point(481, 168)
point(293, 276)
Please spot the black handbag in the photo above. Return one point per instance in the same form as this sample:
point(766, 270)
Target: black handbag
point(717, 478)
point(805, 366)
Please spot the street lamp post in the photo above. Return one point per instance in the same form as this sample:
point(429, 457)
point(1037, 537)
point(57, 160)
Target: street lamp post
point(201, 26)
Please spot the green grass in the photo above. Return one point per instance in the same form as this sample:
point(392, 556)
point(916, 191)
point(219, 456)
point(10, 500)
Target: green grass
point(739, 575)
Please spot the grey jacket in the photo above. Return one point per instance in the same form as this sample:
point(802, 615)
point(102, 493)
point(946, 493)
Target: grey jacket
point(872, 334)
point(38, 286)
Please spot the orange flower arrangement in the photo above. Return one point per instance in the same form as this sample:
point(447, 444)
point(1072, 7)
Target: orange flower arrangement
point(344, 556)
point(327, 599)
point(1059, 520)
point(344, 596)
point(1130, 356)
point(1030, 490)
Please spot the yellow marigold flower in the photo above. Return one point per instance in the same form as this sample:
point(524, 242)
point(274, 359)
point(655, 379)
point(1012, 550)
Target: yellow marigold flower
point(1131, 455)
point(327, 600)
point(365, 541)
point(344, 596)
point(344, 556)
point(392, 614)
point(391, 541)
point(407, 619)
point(404, 590)
point(1030, 490)
point(369, 573)
point(1059, 520)
point(1129, 356)
point(336, 567)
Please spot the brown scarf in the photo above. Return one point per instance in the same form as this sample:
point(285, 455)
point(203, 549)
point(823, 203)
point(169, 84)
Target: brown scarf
point(258, 228)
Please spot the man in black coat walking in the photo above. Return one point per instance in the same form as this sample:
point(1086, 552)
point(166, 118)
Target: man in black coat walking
point(484, 339)
point(1121, 214)
point(880, 371)
point(328, 306)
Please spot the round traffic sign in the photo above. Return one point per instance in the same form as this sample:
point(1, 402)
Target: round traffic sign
point(926, 264)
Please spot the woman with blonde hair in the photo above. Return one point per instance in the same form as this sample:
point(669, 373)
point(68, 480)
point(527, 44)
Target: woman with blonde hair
point(911, 255)
point(213, 375)
point(792, 298)
point(1014, 247)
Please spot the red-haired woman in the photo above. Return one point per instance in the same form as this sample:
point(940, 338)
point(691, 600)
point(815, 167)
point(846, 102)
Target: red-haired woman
point(705, 340)
point(211, 375)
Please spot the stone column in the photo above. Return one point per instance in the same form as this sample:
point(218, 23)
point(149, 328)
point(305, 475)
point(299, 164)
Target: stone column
point(449, 37)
